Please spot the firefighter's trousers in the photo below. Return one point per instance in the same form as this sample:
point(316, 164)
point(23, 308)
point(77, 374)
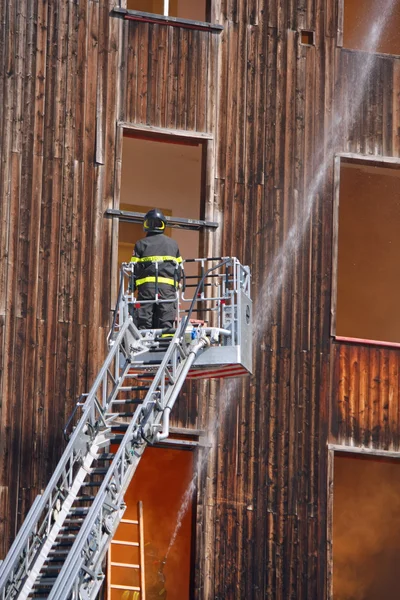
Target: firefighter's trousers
point(155, 316)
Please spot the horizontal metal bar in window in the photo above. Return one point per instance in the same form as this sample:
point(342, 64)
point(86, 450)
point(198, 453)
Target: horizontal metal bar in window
point(135, 15)
point(174, 222)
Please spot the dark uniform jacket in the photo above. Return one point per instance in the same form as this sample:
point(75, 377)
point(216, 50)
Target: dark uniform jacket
point(153, 248)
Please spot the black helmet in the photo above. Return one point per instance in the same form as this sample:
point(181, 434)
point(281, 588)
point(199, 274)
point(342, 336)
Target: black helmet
point(154, 221)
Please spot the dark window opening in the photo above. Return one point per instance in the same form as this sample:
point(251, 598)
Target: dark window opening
point(368, 278)
point(307, 38)
point(165, 174)
point(161, 482)
point(360, 19)
point(366, 528)
point(195, 10)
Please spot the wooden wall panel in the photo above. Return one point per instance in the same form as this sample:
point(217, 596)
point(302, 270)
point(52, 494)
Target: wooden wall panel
point(69, 73)
point(275, 125)
point(366, 397)
point(282, 112)
point(262, 504)
point(167, 76)
point(59, 72)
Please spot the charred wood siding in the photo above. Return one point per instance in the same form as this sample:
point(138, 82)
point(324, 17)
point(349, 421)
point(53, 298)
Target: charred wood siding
point(366, 397)
point(59, 73)
point(167, 76)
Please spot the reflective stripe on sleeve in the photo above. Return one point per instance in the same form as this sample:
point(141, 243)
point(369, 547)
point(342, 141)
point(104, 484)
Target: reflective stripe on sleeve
point(136, 259)
point(154, 280)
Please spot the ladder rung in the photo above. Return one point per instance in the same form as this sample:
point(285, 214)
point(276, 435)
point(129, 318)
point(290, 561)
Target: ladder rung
point(85, 498)
point(132, 588)
point(45, 580)
point(122, 543)
point(105, 456)
point(133, 388)
point(120, 427)
point(130, 521)
point(79, 510)
point(117, 564)
point(92, 484)
point(123, 414)
point(122, 401)
point(55, 559)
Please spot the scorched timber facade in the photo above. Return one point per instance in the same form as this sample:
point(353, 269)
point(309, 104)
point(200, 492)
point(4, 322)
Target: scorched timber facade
point(293, 117)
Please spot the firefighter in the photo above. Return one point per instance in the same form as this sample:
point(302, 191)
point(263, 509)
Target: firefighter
point(158, 266)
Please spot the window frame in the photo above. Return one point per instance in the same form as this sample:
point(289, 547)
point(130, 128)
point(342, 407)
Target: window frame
point(135, 15)
point(209, 240)
point(340, 34)
point(380, 161)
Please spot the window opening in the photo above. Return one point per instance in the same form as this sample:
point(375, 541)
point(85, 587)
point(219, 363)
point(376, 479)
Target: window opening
point(161, 480)
point(368, 264)
point(195, 10)
point(307, 38)
point(366, 527)
point(358, 20)
point(163, 174)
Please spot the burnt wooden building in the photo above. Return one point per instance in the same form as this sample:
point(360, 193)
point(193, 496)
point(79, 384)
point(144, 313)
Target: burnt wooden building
point(293, 108)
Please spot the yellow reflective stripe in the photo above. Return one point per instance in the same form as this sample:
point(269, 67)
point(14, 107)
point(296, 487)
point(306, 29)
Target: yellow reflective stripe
point(135, 259)
point(154, 279)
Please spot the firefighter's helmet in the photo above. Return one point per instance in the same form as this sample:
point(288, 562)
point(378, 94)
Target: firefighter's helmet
point(154, 221)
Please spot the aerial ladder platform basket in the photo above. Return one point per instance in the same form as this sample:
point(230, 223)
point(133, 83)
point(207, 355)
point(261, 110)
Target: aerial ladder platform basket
point(60, 549)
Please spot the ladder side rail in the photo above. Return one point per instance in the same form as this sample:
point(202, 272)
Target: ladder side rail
point(141, 551)
point(27, 541)
point(19, 543)
point(106, 512)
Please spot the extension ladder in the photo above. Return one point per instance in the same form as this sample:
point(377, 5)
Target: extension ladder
point(61, 547)
point(136, 579)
